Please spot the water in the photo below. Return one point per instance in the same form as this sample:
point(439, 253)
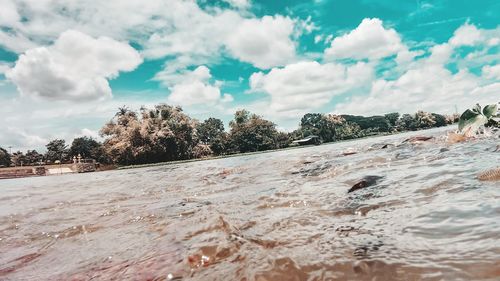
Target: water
point(275, 216)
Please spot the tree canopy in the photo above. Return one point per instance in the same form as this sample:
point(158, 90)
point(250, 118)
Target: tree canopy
point(4, 158)
point(211, 132)
point(166, 133)
point(57, 150)
point(250, 132)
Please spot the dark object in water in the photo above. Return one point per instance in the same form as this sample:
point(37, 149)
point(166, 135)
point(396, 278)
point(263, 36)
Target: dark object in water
point(365, 182)
point(444, 149)
point(417, 138)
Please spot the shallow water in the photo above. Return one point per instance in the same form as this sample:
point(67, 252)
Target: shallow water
point(275, 216)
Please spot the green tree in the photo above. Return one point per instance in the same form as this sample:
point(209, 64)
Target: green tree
point(33, 157)
point(57, 150)
point(19, 159)
point(250, 132)
point(87, 147)
point(392, 118)
point(5, 160)
point(372, 123)
point(318, 124)
point(283, 140)
point(406, 122)
point(439, 119)
point(211, 132)
point(162, 133)
point(348, 130)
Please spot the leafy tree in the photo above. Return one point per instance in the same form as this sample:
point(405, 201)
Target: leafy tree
point(4, 158)
point(439, 119)
point(392, 118)
point(211, 132)
point(19, 159)
point(283, 140)
point(424, 119)
point(318, 124)
point(33, 157)
point(372, 123)
point(87, 147)
point(83, 146)
point(406, 122)
point(250, 132)
point(163, 133)
point(348, 130)
point(57, 150)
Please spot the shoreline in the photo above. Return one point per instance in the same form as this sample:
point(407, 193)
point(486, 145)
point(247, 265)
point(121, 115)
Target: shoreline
point(167, 163)
point(6, 176)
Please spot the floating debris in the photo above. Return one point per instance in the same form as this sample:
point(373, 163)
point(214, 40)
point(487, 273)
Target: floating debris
point(417, 139)
point(490, 175)
point(455, 138)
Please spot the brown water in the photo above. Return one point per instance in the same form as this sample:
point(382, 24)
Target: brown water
point(276, 216)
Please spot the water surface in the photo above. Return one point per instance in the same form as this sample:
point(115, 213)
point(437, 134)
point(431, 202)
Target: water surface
point(275, 216)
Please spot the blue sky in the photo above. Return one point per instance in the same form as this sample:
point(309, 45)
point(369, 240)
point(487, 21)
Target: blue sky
point(66, 66)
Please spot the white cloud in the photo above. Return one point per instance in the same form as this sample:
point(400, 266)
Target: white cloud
point(429, 85)
point(161, 27)
point(196, 89)
point(370, 40)
point(264, 42)
point(491, 72)
point(4, 66)
point(75, 67)
point(85, 132)
point(304, 86)
point(240, 4)
point(20, 140)
point(465, 35)
point(8, 14)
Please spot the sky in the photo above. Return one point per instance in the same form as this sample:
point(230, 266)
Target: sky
point(66, 66)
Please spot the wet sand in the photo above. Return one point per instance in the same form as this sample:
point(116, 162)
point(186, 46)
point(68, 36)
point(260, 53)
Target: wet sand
point(285, 215)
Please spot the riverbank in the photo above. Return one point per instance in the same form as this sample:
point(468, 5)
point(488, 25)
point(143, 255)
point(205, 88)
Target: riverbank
point(20, 172)
point(267, 151)
point(45, 170)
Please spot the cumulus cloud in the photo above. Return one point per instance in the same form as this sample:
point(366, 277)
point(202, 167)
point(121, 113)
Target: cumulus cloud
point(20, 139)
point(75, 67)
point(4, 66)
point(264, 42)
point(491, 72)
point(8, 14)
point(300, 87)
point(240, 4)
point(370, 40)
point(429, 85)
point(85, 132)
point(162, 28)
point(196, 89)
point(466, 35)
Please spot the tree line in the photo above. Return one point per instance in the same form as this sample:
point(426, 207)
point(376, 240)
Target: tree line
point(166, 133)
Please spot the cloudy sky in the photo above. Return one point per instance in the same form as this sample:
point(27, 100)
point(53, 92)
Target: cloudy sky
point(66, 65)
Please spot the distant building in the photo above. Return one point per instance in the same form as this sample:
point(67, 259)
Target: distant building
point(312, 139)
